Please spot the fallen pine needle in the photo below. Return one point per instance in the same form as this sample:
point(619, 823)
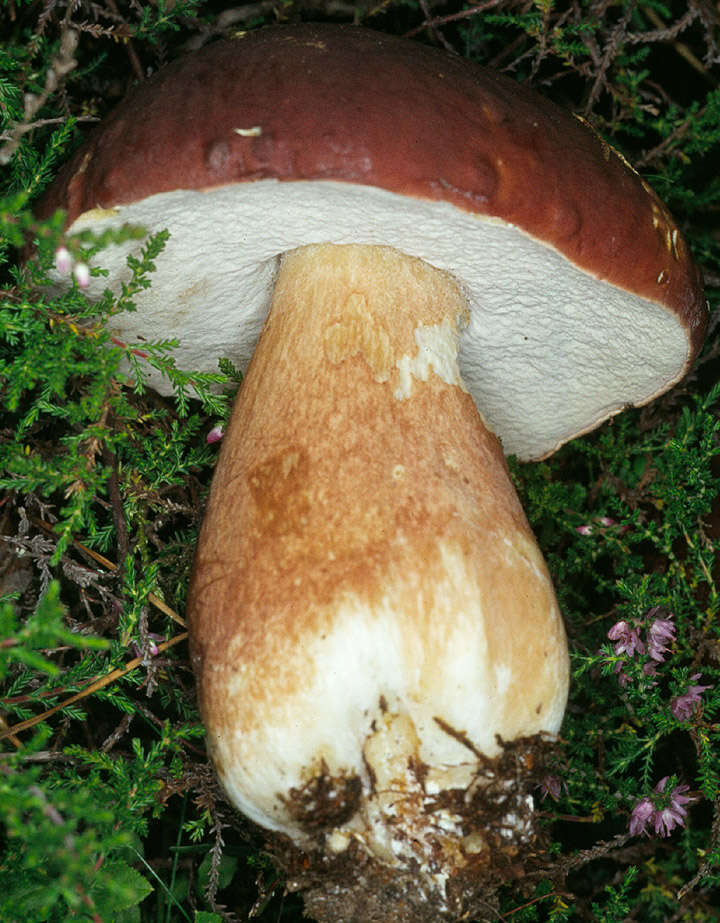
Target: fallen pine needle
point(88, 690)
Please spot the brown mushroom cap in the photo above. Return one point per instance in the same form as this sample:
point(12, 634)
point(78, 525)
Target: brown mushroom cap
point(326, 108)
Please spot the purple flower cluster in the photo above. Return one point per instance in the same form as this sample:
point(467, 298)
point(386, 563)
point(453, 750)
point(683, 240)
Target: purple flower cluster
point(660, 812)
point(628, 642)
point(627, 639)
point(660, 631)
point(658, 638)
point(684, 706)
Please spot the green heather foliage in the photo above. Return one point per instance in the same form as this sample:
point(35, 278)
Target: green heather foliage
point(108, 808)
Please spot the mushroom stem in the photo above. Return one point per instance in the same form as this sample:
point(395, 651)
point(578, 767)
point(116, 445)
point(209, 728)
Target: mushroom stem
point(369, 609)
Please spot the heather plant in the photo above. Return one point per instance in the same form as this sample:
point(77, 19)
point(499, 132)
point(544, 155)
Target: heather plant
point(108, 808)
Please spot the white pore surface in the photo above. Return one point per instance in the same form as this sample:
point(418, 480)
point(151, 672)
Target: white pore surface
point(549, 351)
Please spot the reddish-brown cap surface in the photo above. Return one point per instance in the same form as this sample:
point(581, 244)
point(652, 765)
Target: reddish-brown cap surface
point(344, 105)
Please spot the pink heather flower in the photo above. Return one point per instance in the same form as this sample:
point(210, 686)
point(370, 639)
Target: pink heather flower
point(604, 522)
point(553, 786)
point(661, 811)
point(82, 274)
point(683, 706)
point(63, 260)
point(640, 815)
point(674, 812)
point(627, 638)
point(215, 434)
point(657, 639)
point(150, 645)
point(660, 631)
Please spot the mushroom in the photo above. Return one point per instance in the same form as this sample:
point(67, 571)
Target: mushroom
point(421, 258)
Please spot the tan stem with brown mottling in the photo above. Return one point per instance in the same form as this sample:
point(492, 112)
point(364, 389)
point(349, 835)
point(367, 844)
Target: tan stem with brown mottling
point(365, 567)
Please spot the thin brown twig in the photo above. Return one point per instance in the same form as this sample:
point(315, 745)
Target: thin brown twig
point(454, 17)
point(660, 148)
point(24, 127)
point(60, 67)
point(90, 689)
point(433, 29)
point(612, 47)
point(4, 726)
point(535, 900)
point(132, 54)
point(667, 34)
